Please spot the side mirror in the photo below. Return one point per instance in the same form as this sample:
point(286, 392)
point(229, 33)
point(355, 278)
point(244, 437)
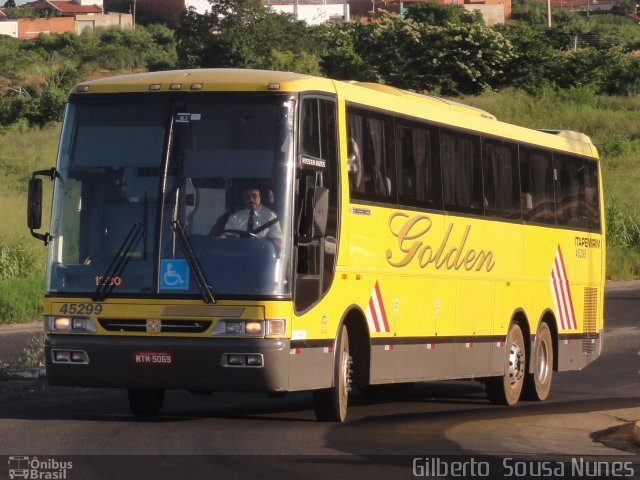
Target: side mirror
point(34, 203)
point(34, 206)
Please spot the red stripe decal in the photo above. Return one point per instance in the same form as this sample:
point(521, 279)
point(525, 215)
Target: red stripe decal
point(382, 310)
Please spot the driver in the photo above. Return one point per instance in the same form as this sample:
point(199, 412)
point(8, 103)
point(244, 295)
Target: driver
point(254, 219)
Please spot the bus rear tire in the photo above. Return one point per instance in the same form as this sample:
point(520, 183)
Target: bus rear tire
point(537, 385)
point(506, 390)
point(330, 404)
point(145, 402)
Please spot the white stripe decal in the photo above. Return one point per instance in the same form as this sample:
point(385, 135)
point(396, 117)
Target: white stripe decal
point(561, 293)
point(375, 312)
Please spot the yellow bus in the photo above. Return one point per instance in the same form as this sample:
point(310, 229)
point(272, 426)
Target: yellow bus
point(243, 230)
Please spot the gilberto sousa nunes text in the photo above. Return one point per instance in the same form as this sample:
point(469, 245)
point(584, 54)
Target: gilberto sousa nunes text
point(509, 467)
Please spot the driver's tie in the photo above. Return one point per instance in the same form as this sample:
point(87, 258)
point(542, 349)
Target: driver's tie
point(252, 216)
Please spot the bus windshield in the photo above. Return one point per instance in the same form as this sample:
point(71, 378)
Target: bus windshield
point(165, 198)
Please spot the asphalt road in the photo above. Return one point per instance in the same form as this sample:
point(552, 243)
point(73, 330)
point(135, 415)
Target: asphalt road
point(587, 419)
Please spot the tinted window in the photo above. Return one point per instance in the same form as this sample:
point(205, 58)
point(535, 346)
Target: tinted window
point(536, 178)
point(461, 172)
point(501, 179)
point(591, 194)
point(318, 129)
point(571, 207)
point(372, 172)
point(420, 180)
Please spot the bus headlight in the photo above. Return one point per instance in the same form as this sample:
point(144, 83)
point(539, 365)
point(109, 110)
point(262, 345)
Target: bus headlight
point(54, 324)
point(226, 326)
point(250, 328)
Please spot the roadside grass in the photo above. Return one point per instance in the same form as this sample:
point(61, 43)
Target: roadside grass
point(22, 258)
point(623, 264)
point(21, 299)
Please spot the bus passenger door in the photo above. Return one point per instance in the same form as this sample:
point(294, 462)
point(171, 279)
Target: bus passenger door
point(316, 201)
point(315, 241)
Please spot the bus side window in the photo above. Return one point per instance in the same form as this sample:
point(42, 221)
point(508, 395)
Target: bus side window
point(536, 179)
point(501, 175)
point(592, 188)
point(461, 172)
point(420, 178)
point(372, 136)
point(570, 191)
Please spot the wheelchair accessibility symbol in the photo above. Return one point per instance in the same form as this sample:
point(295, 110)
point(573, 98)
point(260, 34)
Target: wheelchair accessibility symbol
point(174, 274)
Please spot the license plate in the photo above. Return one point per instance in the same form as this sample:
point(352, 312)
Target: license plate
point(153, 358)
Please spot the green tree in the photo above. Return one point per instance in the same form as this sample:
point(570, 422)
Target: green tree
point(245, 34)
point(532, 66)
point(441, 15)
point(194, 38)
point(529, 11)
point(451, 59)
point(624, 7)
point(340, 59)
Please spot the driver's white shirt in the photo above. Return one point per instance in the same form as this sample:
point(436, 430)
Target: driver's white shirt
point(240, 220)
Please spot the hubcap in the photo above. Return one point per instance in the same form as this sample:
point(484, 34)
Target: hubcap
point(543, 365)
point(346, 373)
point(516, 363)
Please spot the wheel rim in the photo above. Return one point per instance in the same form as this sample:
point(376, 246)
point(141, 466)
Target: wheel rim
point(543, 364)
point(345, 374)
point(516, 364)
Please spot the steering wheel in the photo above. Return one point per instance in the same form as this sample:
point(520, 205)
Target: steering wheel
point(240, 233)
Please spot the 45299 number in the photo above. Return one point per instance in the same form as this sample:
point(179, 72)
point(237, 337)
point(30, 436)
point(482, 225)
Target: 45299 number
point(81, 308)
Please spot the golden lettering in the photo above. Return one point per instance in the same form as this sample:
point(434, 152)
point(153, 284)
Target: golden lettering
point(411, 234)
point(404, 236)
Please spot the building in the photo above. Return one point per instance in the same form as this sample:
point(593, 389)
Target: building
point(493, 11)
point(66, 16)
point(68, 8)
point(319, 11)
point(167, 11)
point(314, 12)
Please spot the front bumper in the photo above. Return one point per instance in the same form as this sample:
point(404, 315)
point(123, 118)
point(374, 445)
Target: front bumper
point(196, 363)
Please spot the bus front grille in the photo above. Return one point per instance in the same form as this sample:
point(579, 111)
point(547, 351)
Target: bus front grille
point(166, 326)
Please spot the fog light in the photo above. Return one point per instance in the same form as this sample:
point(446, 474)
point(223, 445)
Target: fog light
point(78, 357)
point(61, 356)
point(254, 360)
point(62, 323)
point(236, 360)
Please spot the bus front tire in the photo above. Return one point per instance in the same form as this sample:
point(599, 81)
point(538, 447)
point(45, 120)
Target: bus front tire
point(330, 404)
point(506, 390)
point(537, 384)
point(145, 402)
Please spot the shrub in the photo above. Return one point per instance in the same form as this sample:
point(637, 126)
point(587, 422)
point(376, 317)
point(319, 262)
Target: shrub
point(21, 299)
point(17, 261)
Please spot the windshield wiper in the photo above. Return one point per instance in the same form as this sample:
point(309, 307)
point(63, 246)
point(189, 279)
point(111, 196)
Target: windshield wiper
point(119, 262)
point(192, 260)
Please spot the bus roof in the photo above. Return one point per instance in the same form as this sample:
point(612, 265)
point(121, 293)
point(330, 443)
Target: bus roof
point(208, 80)
point(427, 100)
point(383, 97)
